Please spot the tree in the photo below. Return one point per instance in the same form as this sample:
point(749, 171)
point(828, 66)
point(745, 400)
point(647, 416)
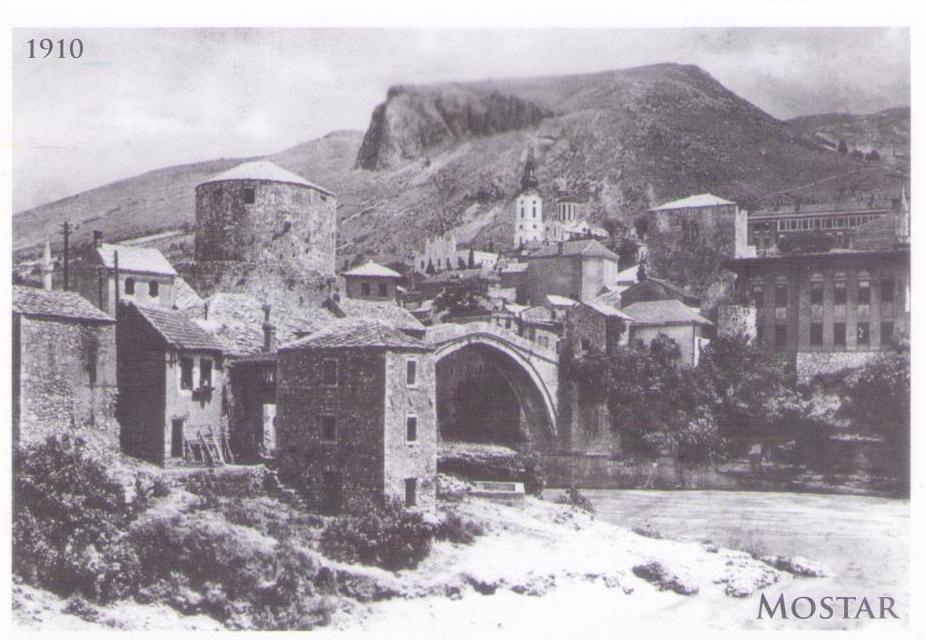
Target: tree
point(877, 399)
point(430, 270)
point(842, 146)
point(873, 155)
point(471, 261)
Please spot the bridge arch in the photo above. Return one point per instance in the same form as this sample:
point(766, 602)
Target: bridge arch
point(506, 369)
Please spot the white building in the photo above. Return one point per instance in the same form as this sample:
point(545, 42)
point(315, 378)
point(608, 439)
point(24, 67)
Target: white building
point(528, 208)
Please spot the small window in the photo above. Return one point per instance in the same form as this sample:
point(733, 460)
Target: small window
point(816, 334)
point(781, 336)
point(129, 286)
point(411, 492)
point(839, 292)
point(781, 295)
point(758, 295)
point(186, 373)
point(411, 429)
point(329, 428)
point(887, 333)
point(864, 292)
point(248, 195)
point(153, 289)
point(863, 334)
point(816, 293)
point(586, 344)
point(411, 373)
point(205, 373)
point(365, 288)
point(839, 334)
point(330, 373)
point(383, 290)
point(887, 290)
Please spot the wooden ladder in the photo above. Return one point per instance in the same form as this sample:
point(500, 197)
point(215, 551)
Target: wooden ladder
point(211, 450)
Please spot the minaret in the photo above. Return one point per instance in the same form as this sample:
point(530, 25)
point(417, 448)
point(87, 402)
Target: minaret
point(528, 206)
point(48, 268)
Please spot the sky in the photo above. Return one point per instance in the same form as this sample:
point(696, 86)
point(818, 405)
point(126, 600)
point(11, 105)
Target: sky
point(141, 99)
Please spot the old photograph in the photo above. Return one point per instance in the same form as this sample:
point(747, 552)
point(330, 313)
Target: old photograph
point(444, 332)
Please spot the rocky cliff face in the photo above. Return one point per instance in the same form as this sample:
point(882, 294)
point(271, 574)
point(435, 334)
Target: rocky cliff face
point(414, 120)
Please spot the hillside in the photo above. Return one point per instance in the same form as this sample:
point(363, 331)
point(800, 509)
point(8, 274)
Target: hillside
point(888, 131)
point(450, 155)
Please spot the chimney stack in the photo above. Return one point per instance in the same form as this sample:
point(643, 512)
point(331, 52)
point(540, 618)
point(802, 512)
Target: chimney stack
point(270, 332)
point(97, 238)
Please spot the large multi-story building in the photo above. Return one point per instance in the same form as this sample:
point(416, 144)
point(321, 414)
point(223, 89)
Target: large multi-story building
point(829, 310)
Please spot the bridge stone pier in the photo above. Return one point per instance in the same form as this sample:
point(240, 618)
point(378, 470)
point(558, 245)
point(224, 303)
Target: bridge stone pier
point(494, 377)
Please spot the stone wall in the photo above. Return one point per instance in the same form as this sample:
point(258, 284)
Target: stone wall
point(55, 392)
point(736, 320)
point(287, 224)
point(810, 364)
point(355, 458)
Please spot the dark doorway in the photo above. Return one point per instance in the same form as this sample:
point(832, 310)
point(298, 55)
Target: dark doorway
point(332, 492)
point(176, 438)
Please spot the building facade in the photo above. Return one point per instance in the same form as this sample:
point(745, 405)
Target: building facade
point(356, 420)
point(577, 269)
point(64, 368)
point(371, 281)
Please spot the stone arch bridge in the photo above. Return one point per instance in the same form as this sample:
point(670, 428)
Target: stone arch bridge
point(531, 370)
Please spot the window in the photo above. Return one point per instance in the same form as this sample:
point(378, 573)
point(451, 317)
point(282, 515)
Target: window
point(330, 373)
point(781, 295)
point(816, 292)
point(839, 334)
point(153, 289)
point(248, 195)
point(586, 344)
point(887, 290)
point(863, 334)
point(329, 428)
point(186, 373)
point(864, 292)
point(383, 289)
point(411, 429)
point(887, 333)
point(411, 492)
point(816, 334)
point(411, 373)
point(129, 286)
point(205, 372)
point(758, 295)
point(839, 292)
point(365, 288)
point(781, 336)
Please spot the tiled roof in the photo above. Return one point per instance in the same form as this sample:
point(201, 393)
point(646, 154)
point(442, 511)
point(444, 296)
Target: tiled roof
point(538, 312)
point(178, 330)
point(358, 333)
point(699, 200)
point(586, 248)
point(561, 301)
point(139, 259)
point(656, 312)
point(30, 301)
point(185, 296)
point(607, 310)
point(390, 312)
point(263, 170)
point(372, 270)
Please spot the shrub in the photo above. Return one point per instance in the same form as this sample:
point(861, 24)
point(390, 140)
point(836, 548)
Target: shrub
point(480, 462)
point(574, 498)
point(69, 523)
point(456, 528)
point(387, 536)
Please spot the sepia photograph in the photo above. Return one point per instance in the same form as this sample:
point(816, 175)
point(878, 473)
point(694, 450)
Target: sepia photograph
point(440, 332)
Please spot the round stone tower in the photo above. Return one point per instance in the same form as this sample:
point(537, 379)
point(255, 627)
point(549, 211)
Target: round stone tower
point(263, 215)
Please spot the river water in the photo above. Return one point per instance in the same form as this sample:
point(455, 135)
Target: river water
point(863, 541)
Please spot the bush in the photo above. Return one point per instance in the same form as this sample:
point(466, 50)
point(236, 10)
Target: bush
point(388, 536)
point(69, 523)
point(480, 462)
point(456, 528)
point(574, 498)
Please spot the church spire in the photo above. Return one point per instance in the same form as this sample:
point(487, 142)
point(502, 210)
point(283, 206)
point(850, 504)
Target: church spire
point(529, 179)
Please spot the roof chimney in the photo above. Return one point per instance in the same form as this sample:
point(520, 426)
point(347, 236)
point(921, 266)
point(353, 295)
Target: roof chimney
point(97, 238)
point(270, 332)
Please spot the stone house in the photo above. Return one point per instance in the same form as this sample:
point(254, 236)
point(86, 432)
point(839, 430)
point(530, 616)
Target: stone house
point(673, 319)
point(356, 419)
point(654, 289)
point(172, 404)
point(595, 326)
point(699, 216)
point(109, 273)
point(577, 269)
point(371, 281)
point(64, 368)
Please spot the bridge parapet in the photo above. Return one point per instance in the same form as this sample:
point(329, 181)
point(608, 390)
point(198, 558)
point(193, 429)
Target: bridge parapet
point(448, 332)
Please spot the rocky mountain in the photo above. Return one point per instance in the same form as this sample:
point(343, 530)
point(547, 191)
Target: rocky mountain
point(449, 156)
point(886, 131)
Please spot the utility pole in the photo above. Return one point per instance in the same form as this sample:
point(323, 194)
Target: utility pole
point(116, 278)
point(66, 232)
